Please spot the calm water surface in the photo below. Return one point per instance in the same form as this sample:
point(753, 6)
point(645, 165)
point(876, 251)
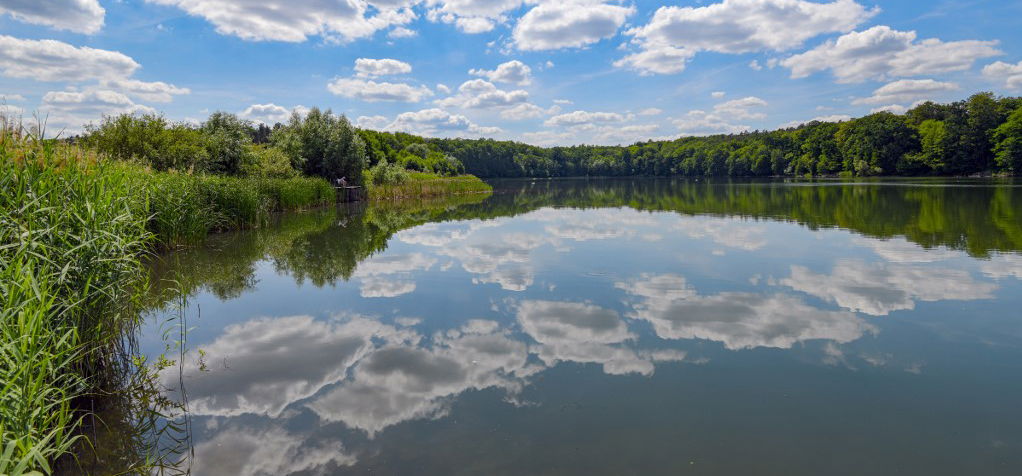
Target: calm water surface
point(614, 327)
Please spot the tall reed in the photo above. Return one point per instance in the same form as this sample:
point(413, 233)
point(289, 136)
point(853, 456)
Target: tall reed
point(71, 235)
point(74, 229)
point(419, 184)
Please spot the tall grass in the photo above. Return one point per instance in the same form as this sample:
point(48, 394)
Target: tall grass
point(185, 208)
point(74, 229)
point(419, 184)
point(37, 373)
point(70, 237)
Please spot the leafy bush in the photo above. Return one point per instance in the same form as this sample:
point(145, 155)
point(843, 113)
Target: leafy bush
point(267, 162)
point(149, 139)
point(384, 173)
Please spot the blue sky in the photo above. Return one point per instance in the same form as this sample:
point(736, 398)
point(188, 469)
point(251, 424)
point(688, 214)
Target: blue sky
point(563, 72)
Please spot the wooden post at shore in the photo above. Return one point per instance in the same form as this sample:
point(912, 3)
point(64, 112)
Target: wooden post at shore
point(351, 193)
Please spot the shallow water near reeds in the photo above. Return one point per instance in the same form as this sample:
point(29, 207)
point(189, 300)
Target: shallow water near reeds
point(611, 327)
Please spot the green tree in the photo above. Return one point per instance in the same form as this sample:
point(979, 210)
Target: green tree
point(876, 144)
point(933, 142)
point(227, 142)
point(323, 144)
point(1008, 140)
point(984, 117)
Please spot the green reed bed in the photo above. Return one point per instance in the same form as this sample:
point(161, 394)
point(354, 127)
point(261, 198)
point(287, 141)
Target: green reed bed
point(419, 184)
point(70, 237)
point(185, 208)
point(74, 229)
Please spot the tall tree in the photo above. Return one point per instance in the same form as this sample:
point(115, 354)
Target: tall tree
point(227, 142)
point(1008, 137)
point(984, 117)
point(323, 144)
point(875, 144)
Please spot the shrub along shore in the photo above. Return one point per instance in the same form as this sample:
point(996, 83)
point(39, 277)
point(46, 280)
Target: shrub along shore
point(76, 222)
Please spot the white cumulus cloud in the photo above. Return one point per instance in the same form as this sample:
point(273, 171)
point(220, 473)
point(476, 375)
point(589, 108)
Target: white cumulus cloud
point(514, 72)
point(52, 60)
point(881, 288)
point(471, 16)
point(738, 320)
point(827, 118)
point(1010, 74)
point(369, 68)
point(675, 34)
point(295, 21)
point(70, 110)
point(576, 118)
point(373, 91)
point(882, 53)
point(267, 113)
point(154, 91)
point(907, 90)
point(568, 24)
point(435, 121)
point(80, 16)
point(482, 94)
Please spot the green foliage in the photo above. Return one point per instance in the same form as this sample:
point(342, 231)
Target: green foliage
point(149, 139)
point(185, 208)
point(295, 193)
point(226, 139)
point(1008, 139)
point(984, 116)
point(74, 227)
point(267, 162)
point(38, 377)
point(323, 145)
point(933, 141)
point(429, 161)
point(71, 235)
point(384, 173)
point(878, 144)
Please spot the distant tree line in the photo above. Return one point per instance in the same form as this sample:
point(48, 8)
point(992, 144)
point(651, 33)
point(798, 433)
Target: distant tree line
point(982, 134)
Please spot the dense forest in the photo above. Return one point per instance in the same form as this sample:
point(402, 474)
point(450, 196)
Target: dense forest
point(979, 135)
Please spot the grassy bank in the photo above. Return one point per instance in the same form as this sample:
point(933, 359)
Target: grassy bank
point(420, 184)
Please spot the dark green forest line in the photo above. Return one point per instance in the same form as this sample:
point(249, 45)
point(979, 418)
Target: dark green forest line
point(979, 135)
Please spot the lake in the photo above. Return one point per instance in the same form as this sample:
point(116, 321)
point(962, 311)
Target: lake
point(628, 326)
